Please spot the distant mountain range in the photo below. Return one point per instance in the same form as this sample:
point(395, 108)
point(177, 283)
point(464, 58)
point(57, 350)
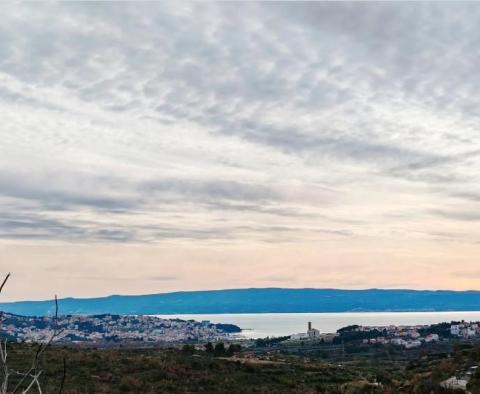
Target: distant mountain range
point(267, 300)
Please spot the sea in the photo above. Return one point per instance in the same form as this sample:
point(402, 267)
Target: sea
point(262, 325)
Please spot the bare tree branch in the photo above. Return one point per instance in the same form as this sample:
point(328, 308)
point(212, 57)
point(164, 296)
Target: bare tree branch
point(4, 281)
point(30, 379)
point(41, 348)
point(34, 381)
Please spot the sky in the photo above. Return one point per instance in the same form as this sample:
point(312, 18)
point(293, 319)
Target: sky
point(155, 147)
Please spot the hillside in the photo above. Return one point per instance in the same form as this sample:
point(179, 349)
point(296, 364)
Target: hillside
point(267, 300)
point(252, 370)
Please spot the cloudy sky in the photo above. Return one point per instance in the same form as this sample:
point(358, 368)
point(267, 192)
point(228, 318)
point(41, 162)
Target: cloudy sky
point(152, 147)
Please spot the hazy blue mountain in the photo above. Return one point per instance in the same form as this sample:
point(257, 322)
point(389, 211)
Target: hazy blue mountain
point(258, 301)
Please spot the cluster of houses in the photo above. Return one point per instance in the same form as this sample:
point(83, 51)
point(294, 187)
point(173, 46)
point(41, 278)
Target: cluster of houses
point(113, 328)
point(408, 342)
point(465, 330)
point(408, 337)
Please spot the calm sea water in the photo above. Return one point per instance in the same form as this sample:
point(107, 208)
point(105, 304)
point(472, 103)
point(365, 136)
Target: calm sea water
point(260, 325)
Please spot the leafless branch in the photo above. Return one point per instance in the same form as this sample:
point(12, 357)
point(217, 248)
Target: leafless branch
point(33, 371)
point(30, 379)
point(34, 382)
point(4, 281)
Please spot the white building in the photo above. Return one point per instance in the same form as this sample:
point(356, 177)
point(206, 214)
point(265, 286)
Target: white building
point(412, 344)
point(455, 329)
point(413, 334)
point(454, 383)
point(432, 338)
point(299, 336)
point(312, 333)
point(469, 332)
point(398, 342)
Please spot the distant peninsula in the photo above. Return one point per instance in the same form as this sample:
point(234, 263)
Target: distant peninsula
point(256, 300)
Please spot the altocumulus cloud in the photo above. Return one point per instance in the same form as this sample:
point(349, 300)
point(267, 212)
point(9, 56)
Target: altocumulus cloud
point(149, 122)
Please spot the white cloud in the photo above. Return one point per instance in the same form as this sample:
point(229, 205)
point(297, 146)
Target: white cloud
point(253, 122)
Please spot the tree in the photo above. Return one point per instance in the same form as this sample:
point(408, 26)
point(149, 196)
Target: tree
point(233, 348)
point(209, 348)
point(188, 349)
point(219, 349)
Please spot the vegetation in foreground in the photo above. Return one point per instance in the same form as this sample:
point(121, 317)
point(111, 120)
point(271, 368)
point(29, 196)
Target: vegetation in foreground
point(220, 370)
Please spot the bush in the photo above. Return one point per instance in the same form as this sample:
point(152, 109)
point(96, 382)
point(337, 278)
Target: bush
point(188, 349)
point(209, 348)
point(219, 349)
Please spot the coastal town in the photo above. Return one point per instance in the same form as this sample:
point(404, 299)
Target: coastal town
point(415, 336)
point(197, 336)
point(111, 328)
point(406, 336)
